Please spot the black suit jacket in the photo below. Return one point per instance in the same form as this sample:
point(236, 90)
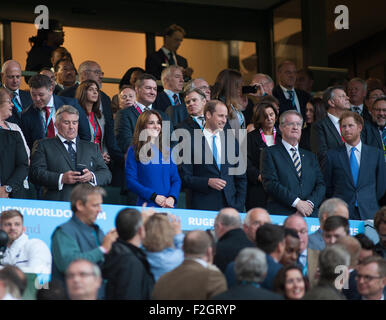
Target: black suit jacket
point(32, 126)
point(155, 60)
point(247, 292)
point(195, 176)
point(177, 113)
point(256, 196)
point(13, 162)
point(109, 137)
point(285, 104)
point(373, 137)
point(162, 102)
point(229, 246)
point(371, 184)
point(50, 158)
point(282, 183)
point(26, 100)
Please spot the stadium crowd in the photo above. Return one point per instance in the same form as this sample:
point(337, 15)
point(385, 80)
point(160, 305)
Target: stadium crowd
point(230, 147)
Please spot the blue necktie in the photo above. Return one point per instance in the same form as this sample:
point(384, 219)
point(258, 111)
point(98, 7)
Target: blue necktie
point(16, 102)
point(354, 166)
point(72, 152)
point(384, 141)
point(291, 97)
point(215, 153)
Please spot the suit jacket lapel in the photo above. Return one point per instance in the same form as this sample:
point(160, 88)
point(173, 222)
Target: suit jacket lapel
point(62, 149)
point(365, 154)
point(286, 156)
point(79, 152)
point(333, 130)
point(208, 153)
point(346, 163)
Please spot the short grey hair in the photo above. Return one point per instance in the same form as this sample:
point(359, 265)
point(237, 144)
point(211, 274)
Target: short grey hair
point(329, 207)
point(363, 82)
point(247, 218)
point(287, 113)
point(190, 84)
point(264, 75)
point(81, 193)
point(65, 109)
point(330, 258)
point(251, 265)
point(167, 72)
point(95, 268)
point(229, 220)
point(329, 93)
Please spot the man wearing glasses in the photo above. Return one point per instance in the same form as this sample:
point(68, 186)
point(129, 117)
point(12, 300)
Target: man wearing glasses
point(291, 176)
point(371, 278)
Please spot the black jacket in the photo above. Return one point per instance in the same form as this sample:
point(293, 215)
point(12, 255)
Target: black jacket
point(127, 273)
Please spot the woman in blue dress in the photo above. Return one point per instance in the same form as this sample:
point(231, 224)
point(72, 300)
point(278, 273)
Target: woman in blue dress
point(151, 172)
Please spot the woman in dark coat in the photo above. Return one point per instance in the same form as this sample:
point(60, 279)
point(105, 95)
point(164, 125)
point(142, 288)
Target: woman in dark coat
point(265, 134)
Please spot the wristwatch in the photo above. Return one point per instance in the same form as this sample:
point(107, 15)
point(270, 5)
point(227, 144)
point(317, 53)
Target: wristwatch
point(8, 189)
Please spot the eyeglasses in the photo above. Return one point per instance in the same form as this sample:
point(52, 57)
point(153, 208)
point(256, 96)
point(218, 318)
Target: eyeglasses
point(379, 110)
point(293, 124)
point(366, 277)
point(80, 274)
point(97, 72)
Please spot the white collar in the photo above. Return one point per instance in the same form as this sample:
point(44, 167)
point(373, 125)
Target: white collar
point(358, 146)
point(333, 118)
point(208, 134)
point(64, 139)
point(200, 261)
point(142, 106)
point(288, 147)
point(285, 89)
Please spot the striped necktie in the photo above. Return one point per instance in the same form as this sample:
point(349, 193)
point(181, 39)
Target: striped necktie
point(16, 103)
point(296, 160)
point(175, 99)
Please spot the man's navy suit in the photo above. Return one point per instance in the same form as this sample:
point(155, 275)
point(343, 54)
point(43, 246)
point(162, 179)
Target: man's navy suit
point(155, 60)
point(110, 140)
point(32, 126)
point(324, 137)
point(26, 100)
point(373, 136)
point(286, 104)
point(282, 183)
point(371, 183)
point(195, 176)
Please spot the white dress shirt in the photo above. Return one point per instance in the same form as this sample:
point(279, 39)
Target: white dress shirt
point(143, 107)
point(51, 106)
point(335, 122)
point(357, 151)
point(209, 139)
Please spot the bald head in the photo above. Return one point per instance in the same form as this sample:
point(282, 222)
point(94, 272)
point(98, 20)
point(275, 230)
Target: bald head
point(197, 244)
point(11, 74)
point(254, 219)
point(90, 70)
point(297, 222)
point(226, 220)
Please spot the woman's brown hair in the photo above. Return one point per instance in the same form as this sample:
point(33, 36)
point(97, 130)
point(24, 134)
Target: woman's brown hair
point(259, 116)
point(159, 233)
point(81, 95)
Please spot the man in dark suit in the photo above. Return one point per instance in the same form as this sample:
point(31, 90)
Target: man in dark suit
point(289, 97)
point(291, 176)
point(356, 90)
point(376, 127)
point(13, 164)
point(196, 278)
point(180, 113)
point(173, 82)
point(167, 55)
point(37, 121)
point(59, 163)
point(11, 78)
point(207, 171)
point(230, 237)
point(355, 172)
point(91, 70)
point(325, 133)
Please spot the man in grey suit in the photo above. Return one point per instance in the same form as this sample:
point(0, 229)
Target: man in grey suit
point(59, 163)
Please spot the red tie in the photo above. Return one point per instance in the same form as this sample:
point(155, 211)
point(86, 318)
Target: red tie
point(342, 137)
point(138, 109)
point(50, 130)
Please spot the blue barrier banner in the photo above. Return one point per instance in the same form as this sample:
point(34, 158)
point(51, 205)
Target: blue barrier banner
point(42, 217)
